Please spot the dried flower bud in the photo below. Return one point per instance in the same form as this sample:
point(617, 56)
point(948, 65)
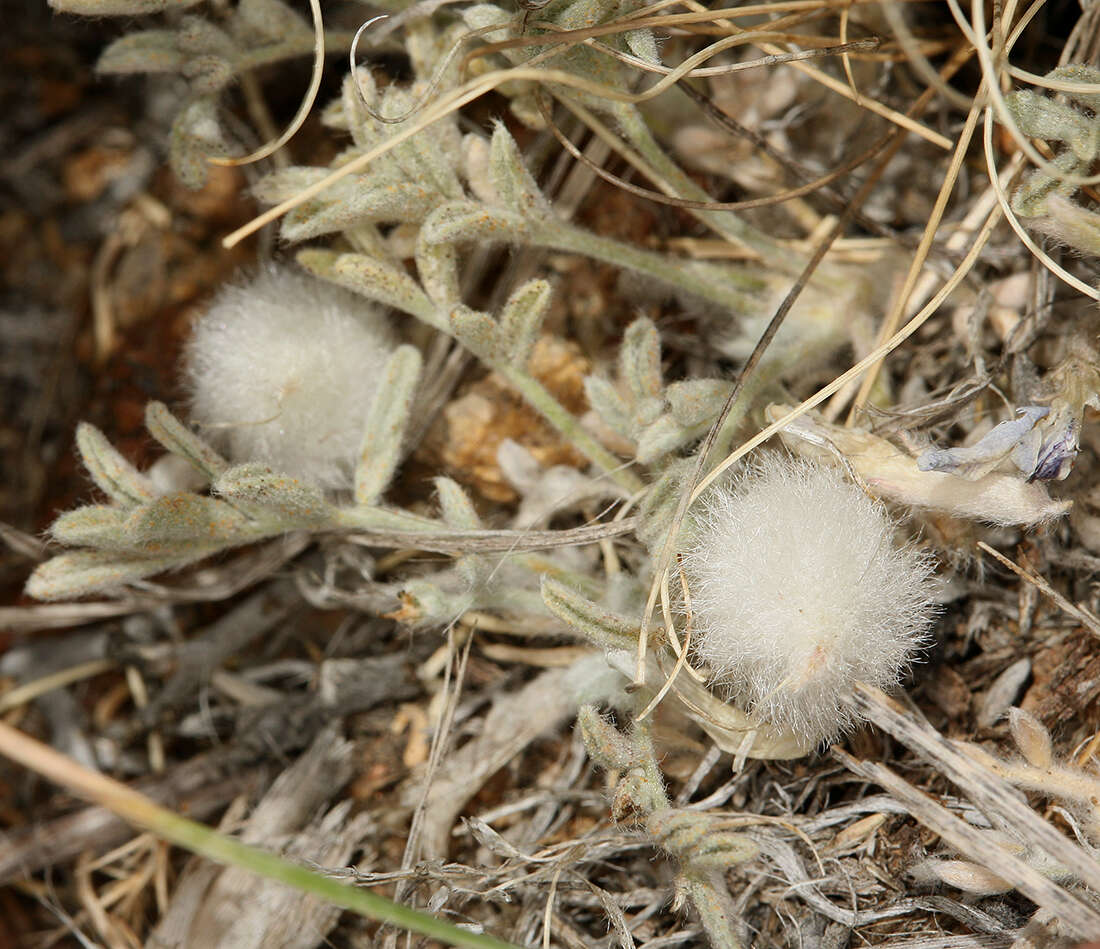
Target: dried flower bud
point(798, 591)
point(283, 370)
point(963, 874)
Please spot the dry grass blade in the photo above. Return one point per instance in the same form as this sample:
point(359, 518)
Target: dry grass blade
point(980, 785)
point(643, 19)
point(1037, 252)
point(198, 787)
point(1080, 613)
point(917, 60)
point(890, 323)
point(1082, 919)
point(846, 166)
point(864, 364)
point(307, 102)
point(681, 651)
point(840, 88)
point(138, 809)
point(697, 484)
point(844, 48)
point(718, 18)
point(822, 183)
point(29, 691)
point(872, 105)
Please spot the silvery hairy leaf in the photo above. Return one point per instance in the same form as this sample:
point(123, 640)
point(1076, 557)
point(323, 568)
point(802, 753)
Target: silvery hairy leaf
point(147, 51)
point(598, 625)
point(380, 449)
point(478, 332)
point(1082, 75)
point(522, 317)
point(606, 745)
point(437, 265)
point(207, 75)
point(90, 571)
point(510, 178)
point(660, 437)
point(198, 36)
point(640, 360)
point(458, 509)
point(196, 137)
point(697, 400)
point(467, 222)
point(95, 525)
point(258, 491)
point(372, 278)
point(112, 473)
point(175, 523)
point(180, 440)
point(119, 7)
point(357, 203)
point(609, 405)
point(260, 21)
point(1030, 199)
point(1040, 117)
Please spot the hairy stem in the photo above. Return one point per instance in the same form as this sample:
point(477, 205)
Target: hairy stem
point(567, 424)
point(706, 888)
point(337, 41)
point(636, 131)
point(710, 897)
point(729, 288)
point(325, 264)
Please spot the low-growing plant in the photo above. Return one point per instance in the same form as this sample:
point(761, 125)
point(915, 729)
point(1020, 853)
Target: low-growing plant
point(782, 588)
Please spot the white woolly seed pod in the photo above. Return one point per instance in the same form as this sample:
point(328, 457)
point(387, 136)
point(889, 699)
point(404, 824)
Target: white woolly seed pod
point(798, 591)
point(283, 370)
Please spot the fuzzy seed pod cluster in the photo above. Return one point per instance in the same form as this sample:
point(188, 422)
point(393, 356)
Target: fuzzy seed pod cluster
point(283, 370)
point(798, 590)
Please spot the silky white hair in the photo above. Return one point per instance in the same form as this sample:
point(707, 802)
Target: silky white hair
point(798, 591)
point(283, 369)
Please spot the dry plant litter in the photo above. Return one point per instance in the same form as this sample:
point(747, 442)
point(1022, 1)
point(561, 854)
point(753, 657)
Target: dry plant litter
point(434, 612)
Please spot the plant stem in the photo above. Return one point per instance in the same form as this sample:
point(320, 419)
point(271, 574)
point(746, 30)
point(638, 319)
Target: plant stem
point(540, 399)
point(710, 896)
point(362, 517)
point(337, 41)
point(729, 288)
point(706, 889)
point(325, 264)
point(636, 131)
